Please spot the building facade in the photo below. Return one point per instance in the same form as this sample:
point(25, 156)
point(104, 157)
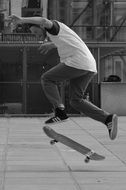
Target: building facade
point(100, 23)
point(93, 20)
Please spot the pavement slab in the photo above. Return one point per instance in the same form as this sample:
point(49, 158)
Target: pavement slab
point(28, 161)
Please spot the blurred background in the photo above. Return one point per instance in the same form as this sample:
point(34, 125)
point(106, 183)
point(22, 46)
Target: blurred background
point(102, 26)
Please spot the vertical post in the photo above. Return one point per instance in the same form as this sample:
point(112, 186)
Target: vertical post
point(24, 80)
point(44, 6)
point(62, 91)
point(9, 7)
point(94, 20)
point(111, 18)
point(98, 61)
point(96, 80)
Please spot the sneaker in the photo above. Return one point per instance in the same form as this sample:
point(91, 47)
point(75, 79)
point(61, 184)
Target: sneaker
point(60, 116)
point(112, 122)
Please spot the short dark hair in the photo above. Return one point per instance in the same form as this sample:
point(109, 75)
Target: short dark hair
point(38, 26)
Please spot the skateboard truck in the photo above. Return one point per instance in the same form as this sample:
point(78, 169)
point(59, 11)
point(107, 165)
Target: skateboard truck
point(88, 156)
point(52, 142)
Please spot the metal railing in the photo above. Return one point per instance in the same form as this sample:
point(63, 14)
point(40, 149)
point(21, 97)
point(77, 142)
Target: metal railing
point(19, 37)
point(27, 66)
point(87, 33)
point(101, 33)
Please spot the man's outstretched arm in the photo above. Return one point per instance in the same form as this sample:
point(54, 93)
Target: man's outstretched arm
point(43, 22)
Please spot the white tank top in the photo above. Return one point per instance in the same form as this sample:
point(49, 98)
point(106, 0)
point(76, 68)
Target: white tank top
point(72, 50)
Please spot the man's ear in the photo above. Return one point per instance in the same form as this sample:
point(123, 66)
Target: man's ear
point(46, 23)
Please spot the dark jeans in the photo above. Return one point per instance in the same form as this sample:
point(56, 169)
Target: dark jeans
point(79, 80)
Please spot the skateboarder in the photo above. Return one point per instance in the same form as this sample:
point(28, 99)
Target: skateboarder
point(77, 65)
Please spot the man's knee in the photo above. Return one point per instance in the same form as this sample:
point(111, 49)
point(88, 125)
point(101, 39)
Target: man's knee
point(44, 78)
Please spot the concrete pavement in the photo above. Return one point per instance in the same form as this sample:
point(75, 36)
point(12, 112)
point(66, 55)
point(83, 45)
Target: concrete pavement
point(29, 162)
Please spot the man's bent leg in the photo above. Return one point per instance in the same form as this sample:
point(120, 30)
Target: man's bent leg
point(77, 88)
point(58, 73)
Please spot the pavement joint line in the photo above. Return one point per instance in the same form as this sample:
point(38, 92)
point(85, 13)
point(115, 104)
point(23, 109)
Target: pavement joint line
point(89, 133)
point(109, 175)
point(114, 155)
point(100, 143)
point(69, 169)
point(4, 156)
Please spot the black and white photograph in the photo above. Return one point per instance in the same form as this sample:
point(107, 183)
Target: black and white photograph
point(62, 94)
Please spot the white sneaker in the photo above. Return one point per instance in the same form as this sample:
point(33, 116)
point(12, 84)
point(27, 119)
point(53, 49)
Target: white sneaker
point(112, 125)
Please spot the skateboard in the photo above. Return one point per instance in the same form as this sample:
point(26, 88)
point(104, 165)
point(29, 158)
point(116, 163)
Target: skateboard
point(56, 137)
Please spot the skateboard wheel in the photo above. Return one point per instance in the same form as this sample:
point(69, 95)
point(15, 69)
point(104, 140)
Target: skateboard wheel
point(87, 159)
point(52, 142)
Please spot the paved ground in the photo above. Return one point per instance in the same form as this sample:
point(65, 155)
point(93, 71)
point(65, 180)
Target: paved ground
point(29, 162)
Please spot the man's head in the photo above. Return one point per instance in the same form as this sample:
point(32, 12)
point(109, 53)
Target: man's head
point(39, 32)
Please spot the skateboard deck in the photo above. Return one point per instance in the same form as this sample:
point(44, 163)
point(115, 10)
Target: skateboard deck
point(56, 137)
